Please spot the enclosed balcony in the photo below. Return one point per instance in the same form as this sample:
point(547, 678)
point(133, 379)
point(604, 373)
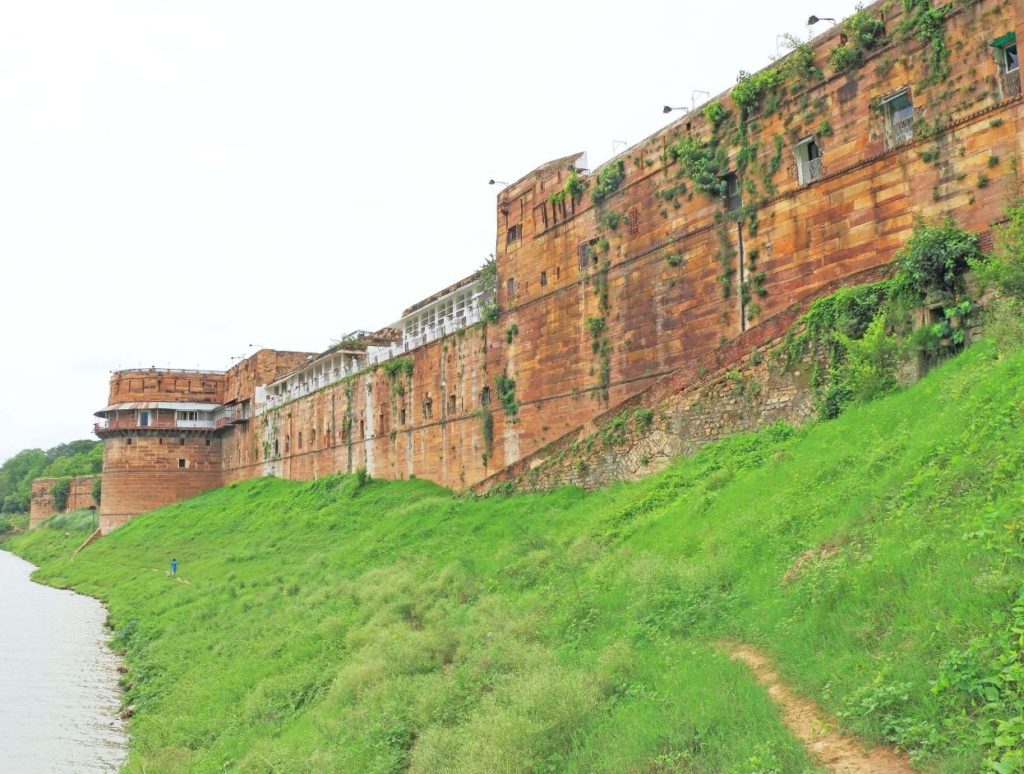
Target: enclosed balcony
point(122, 418)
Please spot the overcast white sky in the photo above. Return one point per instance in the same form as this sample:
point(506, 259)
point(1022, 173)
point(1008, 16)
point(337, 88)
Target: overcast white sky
point(180, 182)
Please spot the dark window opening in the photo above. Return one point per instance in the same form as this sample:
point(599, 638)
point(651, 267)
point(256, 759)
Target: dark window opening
point(312, 438)
point(543, 279)
point(207, 441)
point(587, 253)
point(181, 442)
point(300, 439)
point(127, 441)
point(540, 217)
point(485, 396)
point(428, 409)
point(362, 428)
point(277, 447)
point(380, 422)
point(558, 210)
point(733, 195)
point(452, 404)
point(181, 463)
point(1011, 61)
point(514, 234)
point(161, 441)
point(401, 416)
point(511, 284)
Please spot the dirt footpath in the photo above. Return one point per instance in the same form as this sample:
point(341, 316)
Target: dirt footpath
point(812, 726)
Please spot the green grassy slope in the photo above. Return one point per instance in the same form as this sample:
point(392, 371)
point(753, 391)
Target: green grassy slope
point(330, 627)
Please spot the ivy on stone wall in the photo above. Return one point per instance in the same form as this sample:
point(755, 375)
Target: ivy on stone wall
point(61, 491)
point(608, 180)
point(575, 186)
point(928, 25)
point(506, 389)
point(863, 32)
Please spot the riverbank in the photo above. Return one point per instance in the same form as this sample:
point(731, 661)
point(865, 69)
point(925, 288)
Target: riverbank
point(58, 679)
point(876, 559)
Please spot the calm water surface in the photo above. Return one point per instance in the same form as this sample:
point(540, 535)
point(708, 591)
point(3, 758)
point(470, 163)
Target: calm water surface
point(58, 681)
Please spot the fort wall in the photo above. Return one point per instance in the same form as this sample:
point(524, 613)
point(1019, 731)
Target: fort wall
point(612, 281)
point(584, 328)
point(80, 495)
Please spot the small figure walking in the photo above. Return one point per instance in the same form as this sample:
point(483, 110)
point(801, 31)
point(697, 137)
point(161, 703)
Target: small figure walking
point(174, 568)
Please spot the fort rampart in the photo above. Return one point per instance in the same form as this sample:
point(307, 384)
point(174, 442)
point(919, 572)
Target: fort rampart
point(606, 281)
point(80, 494)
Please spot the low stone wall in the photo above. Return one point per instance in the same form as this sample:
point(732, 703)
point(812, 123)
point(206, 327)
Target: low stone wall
point(79, 496)
point(641, 440)
point(698, 374)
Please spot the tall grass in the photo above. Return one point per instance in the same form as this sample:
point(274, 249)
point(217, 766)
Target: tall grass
point(11, 523)
point(328, 626)
point(82, 520)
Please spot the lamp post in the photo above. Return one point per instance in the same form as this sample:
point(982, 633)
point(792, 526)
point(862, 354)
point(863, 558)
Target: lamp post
point(669, 109)
point(815, 19)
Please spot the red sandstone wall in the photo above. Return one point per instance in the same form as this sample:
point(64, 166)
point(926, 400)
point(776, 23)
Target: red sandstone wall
point(170, 385)
point(80, 496)
point(142, 472)
point(262, 368)
point(659, 317)
point(358, 423)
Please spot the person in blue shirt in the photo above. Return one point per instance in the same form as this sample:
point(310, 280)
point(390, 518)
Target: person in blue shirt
point(174, 568)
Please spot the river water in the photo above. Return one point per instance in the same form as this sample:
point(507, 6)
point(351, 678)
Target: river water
point(59, 698)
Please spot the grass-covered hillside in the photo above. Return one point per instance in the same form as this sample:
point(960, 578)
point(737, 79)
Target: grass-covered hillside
point(877, 558)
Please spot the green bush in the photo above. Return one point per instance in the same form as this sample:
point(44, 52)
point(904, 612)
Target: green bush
point(845, 57)
point(934, 260)
point(12, 523)
point(608, 180)
point(869, 368)
point(362, 478)
point(60, 492)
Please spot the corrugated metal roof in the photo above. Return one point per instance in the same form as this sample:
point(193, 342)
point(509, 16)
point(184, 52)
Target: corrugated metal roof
point(158, 404)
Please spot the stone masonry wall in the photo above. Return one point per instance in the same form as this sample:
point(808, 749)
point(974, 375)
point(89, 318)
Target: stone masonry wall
point(656, 284)
point(143, 472)
point(580, 338)
point(79, 496)
point(641, 441)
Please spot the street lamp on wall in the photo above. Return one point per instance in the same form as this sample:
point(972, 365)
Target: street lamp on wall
point(815, 19)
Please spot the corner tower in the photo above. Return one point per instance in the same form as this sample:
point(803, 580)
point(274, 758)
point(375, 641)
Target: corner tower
point(160, 443)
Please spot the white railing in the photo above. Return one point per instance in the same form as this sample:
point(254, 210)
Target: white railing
point(899, 133)
point(202, 424)
point(372, 358)
point(810, 170)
